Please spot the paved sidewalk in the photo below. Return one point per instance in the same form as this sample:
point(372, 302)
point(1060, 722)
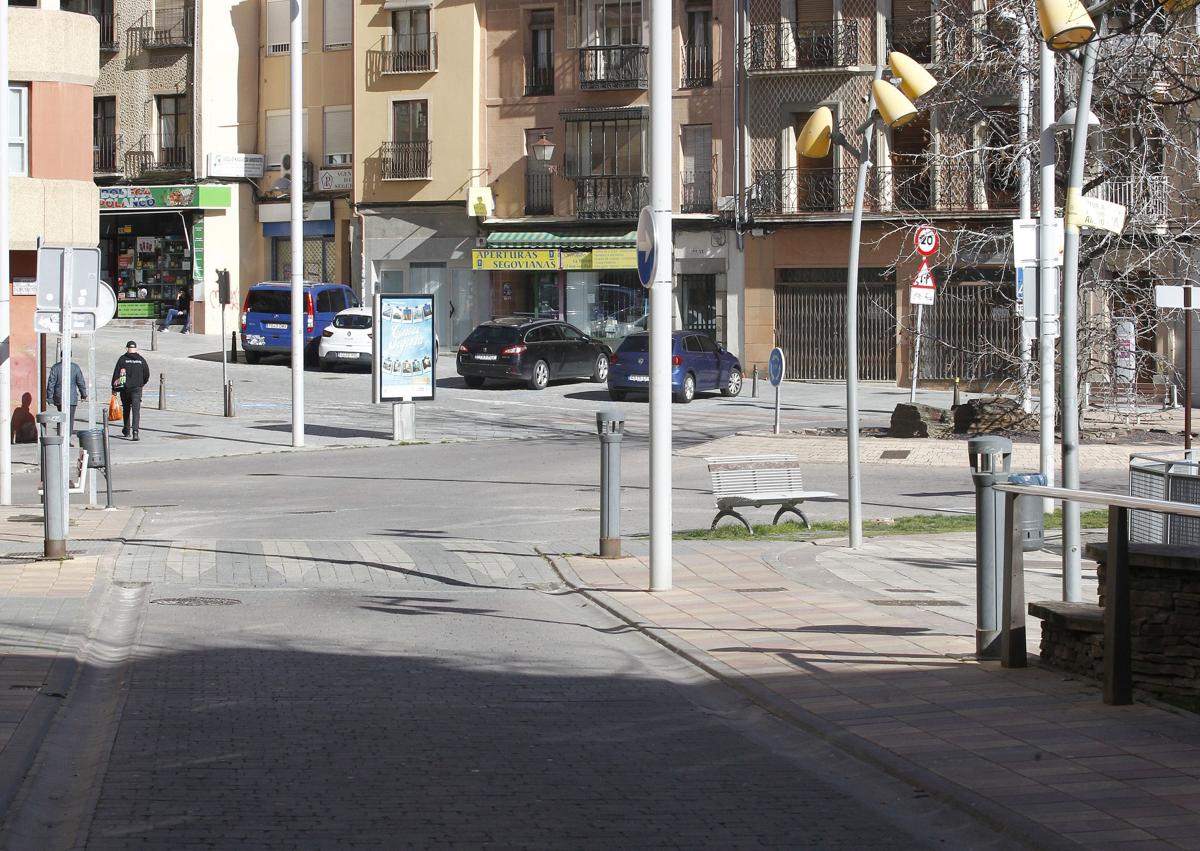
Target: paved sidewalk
point(871, 649)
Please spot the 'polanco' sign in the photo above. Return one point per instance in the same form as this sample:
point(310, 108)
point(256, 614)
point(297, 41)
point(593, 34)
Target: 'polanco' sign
point(164, 197)
point(541, 259)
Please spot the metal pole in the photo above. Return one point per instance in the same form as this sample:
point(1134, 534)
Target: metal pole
point(777, 407)
point(296, 191)
point(1024, 199)
point(1072, 582)
point(91, 409)
point(754, 383)
point(64, 378)
point(1187, 367)
point(912, 393)
point(610, 426)
point(5, 289)
point(224, 365)
point(53, 509)
point(108, 503)
point(1047, 273)
point(661, 179)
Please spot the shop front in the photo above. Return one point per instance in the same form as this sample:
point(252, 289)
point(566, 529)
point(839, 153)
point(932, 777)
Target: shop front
point(320, 254)
point(152, 244)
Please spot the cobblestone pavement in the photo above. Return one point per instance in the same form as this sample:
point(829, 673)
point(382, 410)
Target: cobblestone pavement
point(444, 694)
point(873, 648)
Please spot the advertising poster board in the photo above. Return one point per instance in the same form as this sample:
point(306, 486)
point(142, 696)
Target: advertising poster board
point(405, 347)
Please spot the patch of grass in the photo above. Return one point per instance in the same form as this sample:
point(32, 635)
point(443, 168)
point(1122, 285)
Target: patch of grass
point(912, 524)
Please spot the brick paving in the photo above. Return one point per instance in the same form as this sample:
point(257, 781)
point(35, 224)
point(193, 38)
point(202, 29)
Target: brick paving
point(809, 630)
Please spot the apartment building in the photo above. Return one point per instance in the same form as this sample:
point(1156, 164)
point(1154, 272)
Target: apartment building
point(53, 65)
point(326, 169)
point(566, 124)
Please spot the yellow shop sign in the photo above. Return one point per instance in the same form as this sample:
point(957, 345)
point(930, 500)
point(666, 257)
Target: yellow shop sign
point(600, 258)
point(546, 259)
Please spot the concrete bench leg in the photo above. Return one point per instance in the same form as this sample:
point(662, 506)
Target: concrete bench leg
point(791, 506)
point(729, 512)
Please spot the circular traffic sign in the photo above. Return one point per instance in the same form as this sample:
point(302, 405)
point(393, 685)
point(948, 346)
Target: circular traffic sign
point(775, 366)
point(926, 240)
point(647, 246)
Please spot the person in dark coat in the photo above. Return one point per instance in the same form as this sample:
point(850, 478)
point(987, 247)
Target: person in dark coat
point(181, 308)
point(130, 375)
point(54, 391)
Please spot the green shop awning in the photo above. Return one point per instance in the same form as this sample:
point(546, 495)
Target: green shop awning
point(565, 239)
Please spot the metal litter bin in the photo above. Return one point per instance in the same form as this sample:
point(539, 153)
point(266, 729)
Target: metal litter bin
point(92, 441)
point(1030, 519)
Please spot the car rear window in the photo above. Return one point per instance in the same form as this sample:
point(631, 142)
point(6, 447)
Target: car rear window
point(269, 301)
point(636, 343)
point(493, 335)
point(352, 320)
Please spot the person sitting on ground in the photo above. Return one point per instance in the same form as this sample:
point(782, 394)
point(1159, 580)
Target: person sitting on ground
point(181, 308)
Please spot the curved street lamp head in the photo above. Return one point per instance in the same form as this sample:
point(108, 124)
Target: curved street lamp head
point(915, 81)
point(1065, 24)
point(895, 109)
point(814, 139)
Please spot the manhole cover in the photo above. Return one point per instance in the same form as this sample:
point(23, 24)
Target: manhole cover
point(895, 454)
point(915, 603)
point(758, 590)
point(196, 601)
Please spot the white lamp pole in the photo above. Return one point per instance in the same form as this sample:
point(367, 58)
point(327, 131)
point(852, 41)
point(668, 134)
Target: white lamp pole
point(296, 192)
point(1047, 270)
point(661, 296)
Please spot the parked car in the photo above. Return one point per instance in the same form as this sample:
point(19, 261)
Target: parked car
point(347, 339)
point(531, 350)
point(697, 364)
point(267, 317)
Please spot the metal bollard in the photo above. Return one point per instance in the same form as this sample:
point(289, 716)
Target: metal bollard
point(233, 346)
point(53, 510)
point(754, 384)
point(229, 412)
point(957, 395)
point(162, 392)
point(154, 336)
point(108, 503)
point(991, 461)
point(610, 425)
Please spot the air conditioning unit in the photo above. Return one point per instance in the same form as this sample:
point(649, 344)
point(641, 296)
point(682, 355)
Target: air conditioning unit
point(338, 159)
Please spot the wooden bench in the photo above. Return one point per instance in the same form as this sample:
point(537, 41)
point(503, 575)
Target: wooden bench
point(759, 480)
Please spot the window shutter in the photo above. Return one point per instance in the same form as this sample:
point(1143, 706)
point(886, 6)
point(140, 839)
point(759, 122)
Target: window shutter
point(338, 22)
point(279, 136)
point(279, 25)
point(338, 135)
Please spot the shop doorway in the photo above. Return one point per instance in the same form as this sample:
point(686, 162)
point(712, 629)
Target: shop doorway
point(535, 295)
point(700, 304)
point(319, 260)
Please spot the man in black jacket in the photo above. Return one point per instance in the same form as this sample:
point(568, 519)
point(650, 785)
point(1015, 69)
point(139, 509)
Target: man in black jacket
point(130, 375)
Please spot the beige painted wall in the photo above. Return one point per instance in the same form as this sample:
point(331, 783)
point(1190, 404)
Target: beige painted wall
point(453, 93)
point(60, 47)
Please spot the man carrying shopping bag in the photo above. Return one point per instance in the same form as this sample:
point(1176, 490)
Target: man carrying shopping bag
point(130, 375)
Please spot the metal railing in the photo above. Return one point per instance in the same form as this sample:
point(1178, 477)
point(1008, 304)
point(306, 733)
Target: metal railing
point(696, 192)
point(405, 160)
point(950, 188)
point(108, 32)
point(539, 193)
point(104, 155)
point(414, 53)
point(610, 197)
point(539, 76)
point(1118, 640)
point(1145, 198)
point(613, 67)
point(155, 153)
point(912, 38)
point(168, 27)
point(1155, 476)
point(787, 45)
point(696, 67)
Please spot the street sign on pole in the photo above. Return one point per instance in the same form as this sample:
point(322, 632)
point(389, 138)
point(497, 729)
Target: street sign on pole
point(85, 277)
point(926, 240)
point(647, 246)
point(923, 286)
point(1025, 242)
point(83, 320)
point(775, 366)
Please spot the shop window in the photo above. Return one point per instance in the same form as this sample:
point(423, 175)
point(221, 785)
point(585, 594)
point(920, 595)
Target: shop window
point(279, 26)
point(338, 141)
point(18, 130)
point(339, 19)
point(318, 259)
point(279, 136)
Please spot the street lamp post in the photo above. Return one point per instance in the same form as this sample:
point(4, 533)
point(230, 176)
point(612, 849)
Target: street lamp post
point(297, 216)
point(895, 108)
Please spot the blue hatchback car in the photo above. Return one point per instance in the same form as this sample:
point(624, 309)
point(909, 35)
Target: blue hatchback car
point(697, 363)
point(267, 317)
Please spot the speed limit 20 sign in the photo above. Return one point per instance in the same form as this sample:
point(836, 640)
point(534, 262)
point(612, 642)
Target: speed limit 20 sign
point(926, 240)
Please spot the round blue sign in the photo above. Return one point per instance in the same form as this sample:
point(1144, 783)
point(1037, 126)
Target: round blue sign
point(775, 366)
point(647, 246)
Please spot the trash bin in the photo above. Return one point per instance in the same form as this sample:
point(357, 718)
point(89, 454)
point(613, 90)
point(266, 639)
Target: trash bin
point(1030, 520)
point(91, 440)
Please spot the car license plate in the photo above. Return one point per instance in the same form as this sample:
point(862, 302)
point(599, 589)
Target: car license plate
point(485, 357)
point(255, 340)
point(639, 378)
point(275, 325)
point(348, 355)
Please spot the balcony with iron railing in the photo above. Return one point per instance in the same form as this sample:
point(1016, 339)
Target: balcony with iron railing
point(613, 67)
point(1146, 198)
point(405, 160)
point(785, 46)
point(911, 37)
point(611, 196)
point(696, 192)
point(108, 32)
point(167, 27)
point(157, 154)
point(104, 154)
point(539, 76)
point(412, 53)
point(539, 193)
point(696, 67)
